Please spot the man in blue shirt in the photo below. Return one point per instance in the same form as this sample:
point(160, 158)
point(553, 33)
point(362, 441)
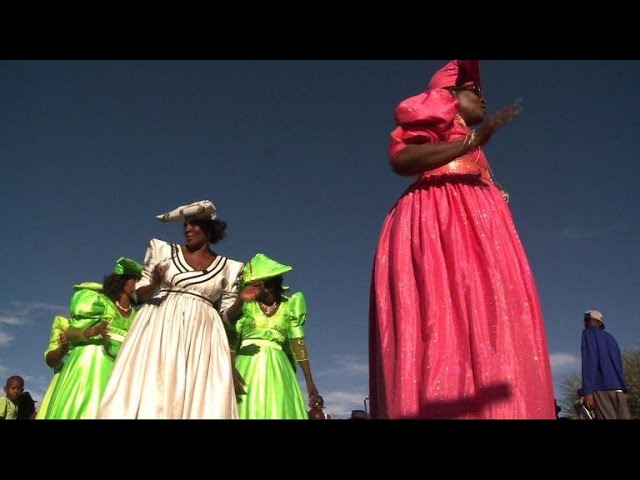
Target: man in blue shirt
point(602, 373)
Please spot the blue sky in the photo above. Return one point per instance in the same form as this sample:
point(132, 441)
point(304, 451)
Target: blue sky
point(294, 155)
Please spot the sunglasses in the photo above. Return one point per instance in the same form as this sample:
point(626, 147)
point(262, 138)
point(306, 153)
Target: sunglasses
point(471, 88)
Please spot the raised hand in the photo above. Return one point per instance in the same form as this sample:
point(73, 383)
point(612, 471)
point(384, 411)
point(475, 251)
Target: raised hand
point(497, 120)
point(250, 292)
point(64, 342)
point(158, 274)
point(99, 329)
point(102, 329)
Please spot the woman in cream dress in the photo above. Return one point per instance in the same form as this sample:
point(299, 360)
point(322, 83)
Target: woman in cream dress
point(175, 362)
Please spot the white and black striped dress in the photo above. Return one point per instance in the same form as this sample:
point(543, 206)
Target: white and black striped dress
point(174, 362)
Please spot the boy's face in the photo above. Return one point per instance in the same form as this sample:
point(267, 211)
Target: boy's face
point(14, 389)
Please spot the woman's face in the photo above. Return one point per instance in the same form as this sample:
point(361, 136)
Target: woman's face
point(129, 286)
point(264, 293)
point(194, 234)
point(472, 107)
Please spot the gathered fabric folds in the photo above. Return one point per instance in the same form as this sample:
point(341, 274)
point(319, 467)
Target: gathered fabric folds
point(456, 324)
point(266, 360)
point(175, 361)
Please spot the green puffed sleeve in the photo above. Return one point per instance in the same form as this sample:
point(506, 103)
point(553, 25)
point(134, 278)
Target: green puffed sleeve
point(297, 313)
point(96, 287)
point(59, 325)
point(87, 309)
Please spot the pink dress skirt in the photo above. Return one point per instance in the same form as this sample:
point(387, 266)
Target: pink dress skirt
point(456, 328)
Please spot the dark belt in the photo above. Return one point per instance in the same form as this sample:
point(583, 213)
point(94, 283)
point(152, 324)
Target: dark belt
point(202, 297)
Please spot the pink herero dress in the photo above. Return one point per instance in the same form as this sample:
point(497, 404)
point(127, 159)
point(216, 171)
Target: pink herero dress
point(456, 328)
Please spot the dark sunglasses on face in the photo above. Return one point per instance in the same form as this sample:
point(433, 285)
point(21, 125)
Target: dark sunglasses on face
point(472, 88)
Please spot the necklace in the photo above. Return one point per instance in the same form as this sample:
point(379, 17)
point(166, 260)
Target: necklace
point(269, 310)
point(122, 309)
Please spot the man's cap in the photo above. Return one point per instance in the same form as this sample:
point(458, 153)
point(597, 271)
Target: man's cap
point(595, 314)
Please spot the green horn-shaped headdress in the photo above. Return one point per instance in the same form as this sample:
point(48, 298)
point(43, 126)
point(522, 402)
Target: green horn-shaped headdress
point(262, 267)
point(128, 266)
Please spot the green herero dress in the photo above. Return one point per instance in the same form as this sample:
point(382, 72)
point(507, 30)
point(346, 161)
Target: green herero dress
point(264, 359)
point(60, 324)
point(86, 371)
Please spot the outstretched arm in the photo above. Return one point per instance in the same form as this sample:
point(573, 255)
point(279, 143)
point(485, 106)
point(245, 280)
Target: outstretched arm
point(416, 158)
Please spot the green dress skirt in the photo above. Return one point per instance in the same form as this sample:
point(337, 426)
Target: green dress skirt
point(265, 361)
point(86, 371)
point(60, 324)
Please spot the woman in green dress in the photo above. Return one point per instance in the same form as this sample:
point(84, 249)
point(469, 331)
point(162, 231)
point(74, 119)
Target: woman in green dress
point(99, 322)
point(58, 349)
point(270, 342)
point(53, 356)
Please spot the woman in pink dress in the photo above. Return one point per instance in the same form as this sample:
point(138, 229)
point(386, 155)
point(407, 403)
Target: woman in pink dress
point(456, 328)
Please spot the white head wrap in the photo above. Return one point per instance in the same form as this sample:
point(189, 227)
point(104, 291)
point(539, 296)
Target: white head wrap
point(203, 209)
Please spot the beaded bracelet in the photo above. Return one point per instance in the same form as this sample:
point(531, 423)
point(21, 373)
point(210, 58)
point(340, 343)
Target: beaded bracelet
point(469, 141)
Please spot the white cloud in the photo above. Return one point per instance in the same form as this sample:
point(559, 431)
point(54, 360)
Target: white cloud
point(21, 313)
point(5, 338)
point(347, 365)
point(340, 403)
point(37, 385)
point(564, 361)
point(10, 320)
point(563, 365)
point(25, 308)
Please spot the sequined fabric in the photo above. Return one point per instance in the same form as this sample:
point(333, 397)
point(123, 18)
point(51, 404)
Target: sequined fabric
point(456, 328)
point(456, 324)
